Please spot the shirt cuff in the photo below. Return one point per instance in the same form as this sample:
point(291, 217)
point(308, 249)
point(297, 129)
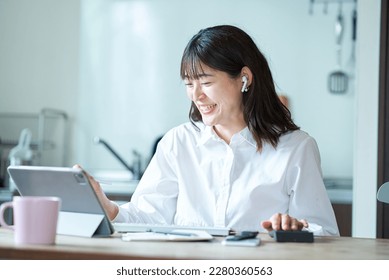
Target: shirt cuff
point(121, 215)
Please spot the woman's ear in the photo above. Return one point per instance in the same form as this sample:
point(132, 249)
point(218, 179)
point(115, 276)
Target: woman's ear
point(247, 78)
point(247, 73)
point(245, 81)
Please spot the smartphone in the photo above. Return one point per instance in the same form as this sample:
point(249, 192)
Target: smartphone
point(245, 238)
point(252, 242)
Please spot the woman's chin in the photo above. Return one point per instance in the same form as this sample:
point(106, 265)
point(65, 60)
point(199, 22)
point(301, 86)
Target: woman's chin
point(208, 122)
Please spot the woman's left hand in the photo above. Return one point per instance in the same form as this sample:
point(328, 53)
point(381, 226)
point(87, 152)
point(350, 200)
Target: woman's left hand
point(284, 222)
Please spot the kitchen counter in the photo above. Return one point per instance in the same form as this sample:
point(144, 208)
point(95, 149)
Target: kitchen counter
point(121, 192)
point(339, 190)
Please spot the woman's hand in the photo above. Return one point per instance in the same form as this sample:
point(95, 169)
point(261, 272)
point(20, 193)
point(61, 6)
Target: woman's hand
point(284, 222)
point(109, 206)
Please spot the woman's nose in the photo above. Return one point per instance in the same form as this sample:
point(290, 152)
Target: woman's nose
point(198, 94)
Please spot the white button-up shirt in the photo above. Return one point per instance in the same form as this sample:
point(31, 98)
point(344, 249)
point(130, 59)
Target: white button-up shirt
point(197, 179)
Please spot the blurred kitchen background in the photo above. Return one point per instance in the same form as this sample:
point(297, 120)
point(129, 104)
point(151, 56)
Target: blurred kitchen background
point(75, 72)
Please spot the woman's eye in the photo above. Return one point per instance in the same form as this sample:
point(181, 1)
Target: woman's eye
point(206, 83)
point(189, 85)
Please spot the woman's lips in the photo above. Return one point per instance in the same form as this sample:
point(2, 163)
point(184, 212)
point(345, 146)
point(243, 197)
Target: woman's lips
point(205, 109)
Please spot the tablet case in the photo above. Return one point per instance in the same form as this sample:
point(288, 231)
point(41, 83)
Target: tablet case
point(81, 212)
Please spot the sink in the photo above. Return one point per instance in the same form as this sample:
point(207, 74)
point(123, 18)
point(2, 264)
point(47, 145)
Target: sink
point(112, 175)
point(117, 183)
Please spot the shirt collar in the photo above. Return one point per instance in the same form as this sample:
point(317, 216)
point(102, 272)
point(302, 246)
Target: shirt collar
point(246, 135)
point(209, 134)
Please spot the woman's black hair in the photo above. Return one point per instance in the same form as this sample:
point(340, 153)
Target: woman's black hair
point(227, 48)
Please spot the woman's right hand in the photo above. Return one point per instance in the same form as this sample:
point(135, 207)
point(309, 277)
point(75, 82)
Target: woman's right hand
point(284, 222)
point(110, 207)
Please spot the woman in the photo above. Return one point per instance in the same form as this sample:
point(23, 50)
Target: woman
point(241, 162)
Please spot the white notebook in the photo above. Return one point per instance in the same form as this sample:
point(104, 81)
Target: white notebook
point(175, 235)
point(135, 227)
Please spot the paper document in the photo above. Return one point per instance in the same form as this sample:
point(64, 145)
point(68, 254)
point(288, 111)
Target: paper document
point(135, 227)
point(175, 235)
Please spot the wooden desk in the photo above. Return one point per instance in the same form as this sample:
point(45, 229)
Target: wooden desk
point(69, 247)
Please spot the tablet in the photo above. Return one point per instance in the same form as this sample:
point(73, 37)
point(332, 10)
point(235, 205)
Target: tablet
point(81, 211)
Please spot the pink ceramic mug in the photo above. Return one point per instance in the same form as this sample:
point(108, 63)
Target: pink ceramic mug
point(35, 218)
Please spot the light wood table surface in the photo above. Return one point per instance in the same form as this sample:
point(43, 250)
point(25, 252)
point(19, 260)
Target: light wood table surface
point(70, 247)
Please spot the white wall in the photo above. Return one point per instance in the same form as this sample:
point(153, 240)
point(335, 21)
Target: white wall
point(130, 54)
point(39, 51)
point(114, 67)
point(39, 60)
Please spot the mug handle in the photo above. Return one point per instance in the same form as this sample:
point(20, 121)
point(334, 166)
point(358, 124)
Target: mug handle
point(3, 207)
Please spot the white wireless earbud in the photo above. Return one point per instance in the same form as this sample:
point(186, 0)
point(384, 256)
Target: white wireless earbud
point(244, 81)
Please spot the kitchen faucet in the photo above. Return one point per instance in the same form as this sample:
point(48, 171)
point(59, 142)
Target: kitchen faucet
point(135, 169)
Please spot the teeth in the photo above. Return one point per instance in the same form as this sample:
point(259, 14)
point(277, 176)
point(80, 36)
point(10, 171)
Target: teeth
point(206, 108)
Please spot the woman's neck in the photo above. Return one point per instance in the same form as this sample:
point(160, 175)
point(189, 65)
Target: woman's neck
point(226, 132)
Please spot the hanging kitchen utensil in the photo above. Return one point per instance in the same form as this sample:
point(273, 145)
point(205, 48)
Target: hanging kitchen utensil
point(351, 63)
point(21, 154)
point(338, 79)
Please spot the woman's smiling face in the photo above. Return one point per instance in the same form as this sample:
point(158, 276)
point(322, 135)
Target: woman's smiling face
point(217, 96)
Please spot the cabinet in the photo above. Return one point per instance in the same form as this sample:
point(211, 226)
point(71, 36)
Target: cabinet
point(343, 213)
